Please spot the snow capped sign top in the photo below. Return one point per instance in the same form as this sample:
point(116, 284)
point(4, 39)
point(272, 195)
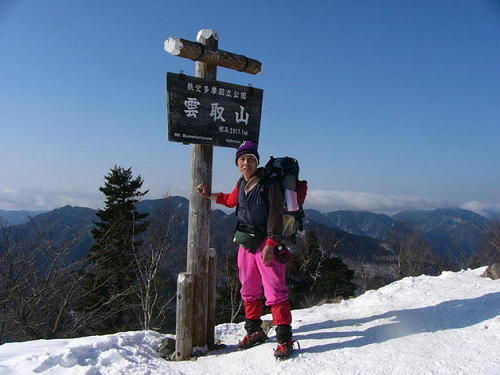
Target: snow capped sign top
point(211, 112)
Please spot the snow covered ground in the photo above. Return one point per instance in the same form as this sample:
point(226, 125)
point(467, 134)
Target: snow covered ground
point(448, 324)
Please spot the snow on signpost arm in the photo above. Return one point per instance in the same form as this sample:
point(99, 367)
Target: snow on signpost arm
point(199, 52)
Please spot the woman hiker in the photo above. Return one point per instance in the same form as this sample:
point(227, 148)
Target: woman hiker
point(260, 222)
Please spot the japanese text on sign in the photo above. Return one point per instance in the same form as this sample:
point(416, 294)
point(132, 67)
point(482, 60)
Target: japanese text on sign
point(212, 112)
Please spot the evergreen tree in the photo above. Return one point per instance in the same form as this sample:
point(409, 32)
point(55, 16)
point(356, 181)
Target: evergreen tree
point(111, 278)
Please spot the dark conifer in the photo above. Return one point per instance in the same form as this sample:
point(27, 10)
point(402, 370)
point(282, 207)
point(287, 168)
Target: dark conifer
point(110, 280)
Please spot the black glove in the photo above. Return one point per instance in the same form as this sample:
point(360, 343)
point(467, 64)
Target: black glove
point(284, 254)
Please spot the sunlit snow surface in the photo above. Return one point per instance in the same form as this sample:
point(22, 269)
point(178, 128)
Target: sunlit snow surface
point(448, 324)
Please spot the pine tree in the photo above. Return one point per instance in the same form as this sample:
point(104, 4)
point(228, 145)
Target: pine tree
point(111, 277)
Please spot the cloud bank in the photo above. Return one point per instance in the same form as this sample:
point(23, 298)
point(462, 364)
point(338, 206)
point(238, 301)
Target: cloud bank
point(36, 199)
point(481, 208)
point(321, 200)
point(333, 200)
point(12, 199)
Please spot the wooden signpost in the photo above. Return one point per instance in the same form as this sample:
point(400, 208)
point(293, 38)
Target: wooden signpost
point(196, 287)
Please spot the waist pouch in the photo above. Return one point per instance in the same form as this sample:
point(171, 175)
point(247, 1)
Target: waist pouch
point(249, 240)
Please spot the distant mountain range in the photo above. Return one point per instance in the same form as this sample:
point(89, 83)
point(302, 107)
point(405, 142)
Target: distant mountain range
point(452, 230)
point(64, 227)
point(18, 217)
point(361, 223)
point(448, 230)
point(361, 233)
point(492, 215)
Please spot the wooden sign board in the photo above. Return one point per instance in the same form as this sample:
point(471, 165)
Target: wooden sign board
point(211, 112)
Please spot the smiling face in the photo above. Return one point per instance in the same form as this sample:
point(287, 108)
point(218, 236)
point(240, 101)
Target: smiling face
point(247, 164)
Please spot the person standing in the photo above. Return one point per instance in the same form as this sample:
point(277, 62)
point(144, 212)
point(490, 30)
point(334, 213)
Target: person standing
point(259, 210)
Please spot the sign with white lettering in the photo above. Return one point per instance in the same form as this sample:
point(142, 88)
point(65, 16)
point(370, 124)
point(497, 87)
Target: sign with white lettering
point(212, 112)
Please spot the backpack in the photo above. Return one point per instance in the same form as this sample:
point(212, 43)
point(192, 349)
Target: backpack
point(285, 170)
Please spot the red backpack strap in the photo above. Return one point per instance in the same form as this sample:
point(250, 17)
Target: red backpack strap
point(301, 192)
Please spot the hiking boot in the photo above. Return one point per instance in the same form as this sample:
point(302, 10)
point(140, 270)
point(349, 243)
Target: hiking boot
point(283, 350)
point(252, 339)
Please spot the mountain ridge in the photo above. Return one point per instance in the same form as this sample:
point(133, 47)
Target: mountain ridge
point(14, 217)
point(361, 233)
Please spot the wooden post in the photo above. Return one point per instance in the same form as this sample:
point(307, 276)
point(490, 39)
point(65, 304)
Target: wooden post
point(212, 293)
point(199, 317)
point(184, 318)
point(199, 211)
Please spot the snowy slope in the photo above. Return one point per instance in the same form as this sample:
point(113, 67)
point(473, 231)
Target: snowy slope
point(448, 324)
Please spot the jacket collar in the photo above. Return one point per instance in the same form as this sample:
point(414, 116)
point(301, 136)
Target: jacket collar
point(254, 180)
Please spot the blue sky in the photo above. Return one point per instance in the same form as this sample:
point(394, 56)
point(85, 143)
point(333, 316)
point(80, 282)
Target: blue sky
point(388, 104)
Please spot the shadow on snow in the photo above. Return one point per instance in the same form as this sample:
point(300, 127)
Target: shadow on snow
point(454, 314)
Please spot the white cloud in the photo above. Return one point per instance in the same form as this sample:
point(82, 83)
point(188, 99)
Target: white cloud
point(322, 200)
point(155, 193)
point(7, 190)
point(36, 199)
point(332, 200)
point(481, 207)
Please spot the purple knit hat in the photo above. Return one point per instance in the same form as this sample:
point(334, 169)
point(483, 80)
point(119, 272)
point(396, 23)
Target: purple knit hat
point(247, 147)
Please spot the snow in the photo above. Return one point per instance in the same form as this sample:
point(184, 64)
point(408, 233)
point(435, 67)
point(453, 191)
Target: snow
point(173, 46)
point(205, 34)
point(447, 324)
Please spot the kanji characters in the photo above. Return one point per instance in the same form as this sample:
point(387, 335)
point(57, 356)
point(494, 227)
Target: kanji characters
point(192, 107)
point(239, 116)
point(217, 112)
point(214, 90)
